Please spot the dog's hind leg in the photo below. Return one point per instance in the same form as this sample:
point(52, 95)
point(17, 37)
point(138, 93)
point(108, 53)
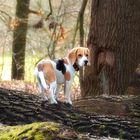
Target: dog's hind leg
point(48, 77)
point(42, 79)
point(42, 88)
point(52, 91)
point(57, 91)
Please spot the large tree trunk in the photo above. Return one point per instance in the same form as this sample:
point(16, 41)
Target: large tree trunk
point(114, 40)
point(21, 108)
point(19, 40)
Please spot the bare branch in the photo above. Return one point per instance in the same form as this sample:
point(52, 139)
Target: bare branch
point(3, 12)
point(50, 13)
point(33, 11)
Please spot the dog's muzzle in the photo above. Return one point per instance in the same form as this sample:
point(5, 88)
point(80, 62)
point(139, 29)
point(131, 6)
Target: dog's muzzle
point(85, 62)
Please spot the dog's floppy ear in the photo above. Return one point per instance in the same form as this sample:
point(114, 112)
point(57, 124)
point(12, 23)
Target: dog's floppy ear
point(72, 55)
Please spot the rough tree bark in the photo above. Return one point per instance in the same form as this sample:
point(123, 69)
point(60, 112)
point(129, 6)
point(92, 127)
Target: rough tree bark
point(20, 108)
point(114, 39)
point(19, 40)
point(125, 106)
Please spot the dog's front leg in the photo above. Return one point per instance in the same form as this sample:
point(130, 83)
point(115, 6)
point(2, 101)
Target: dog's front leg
point(68, 85)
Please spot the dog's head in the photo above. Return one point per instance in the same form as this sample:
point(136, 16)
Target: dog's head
point(79, 56)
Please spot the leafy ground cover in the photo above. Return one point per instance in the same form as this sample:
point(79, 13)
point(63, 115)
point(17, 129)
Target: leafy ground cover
point(32, 88)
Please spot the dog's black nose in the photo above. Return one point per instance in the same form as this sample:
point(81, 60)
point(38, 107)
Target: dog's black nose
point(86, 61)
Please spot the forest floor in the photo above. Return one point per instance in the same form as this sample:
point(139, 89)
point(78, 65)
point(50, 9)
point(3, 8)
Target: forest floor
point(18, 108)
point(110, 117)
point(32, 88)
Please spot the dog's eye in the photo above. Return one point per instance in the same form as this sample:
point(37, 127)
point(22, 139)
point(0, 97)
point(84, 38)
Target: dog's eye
point(86, 55)
point(80, 55)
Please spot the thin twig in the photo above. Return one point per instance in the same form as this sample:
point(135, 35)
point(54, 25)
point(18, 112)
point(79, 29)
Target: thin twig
point(33, 11)
point(50, 13)
point(3, 12)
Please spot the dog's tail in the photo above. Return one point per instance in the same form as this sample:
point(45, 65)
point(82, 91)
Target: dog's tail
point(36, 71)
point(41, 78)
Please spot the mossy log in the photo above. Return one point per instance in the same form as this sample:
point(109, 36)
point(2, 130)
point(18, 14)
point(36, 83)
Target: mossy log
point(18, 108)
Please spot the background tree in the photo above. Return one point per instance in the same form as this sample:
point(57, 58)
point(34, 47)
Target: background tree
point(19, 39)
point(114, 39)
point(51, 29)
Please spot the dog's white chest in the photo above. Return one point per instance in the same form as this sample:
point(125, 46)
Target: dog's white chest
point(71, 70)
point(60, 77)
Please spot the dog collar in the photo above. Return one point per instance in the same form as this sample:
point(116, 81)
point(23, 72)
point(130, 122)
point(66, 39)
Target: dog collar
point(66, 61)
point(76, 67)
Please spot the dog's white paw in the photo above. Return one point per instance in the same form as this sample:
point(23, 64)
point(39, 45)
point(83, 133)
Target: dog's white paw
point(44, 98)
point(68, 102)
point(53, 101)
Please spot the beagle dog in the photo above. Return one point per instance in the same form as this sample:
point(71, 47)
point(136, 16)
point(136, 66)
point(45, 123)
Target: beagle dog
point(51, 74)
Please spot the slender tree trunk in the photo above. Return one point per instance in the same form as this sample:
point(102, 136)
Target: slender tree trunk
point(114, 39)
point(81, 30)
point(81, 22)
point(19, 42)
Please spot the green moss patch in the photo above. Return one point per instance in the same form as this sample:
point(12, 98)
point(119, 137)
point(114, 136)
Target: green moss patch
point(34, 131)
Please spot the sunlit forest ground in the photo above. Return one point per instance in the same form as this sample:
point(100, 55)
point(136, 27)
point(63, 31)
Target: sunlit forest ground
point(32, 88)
